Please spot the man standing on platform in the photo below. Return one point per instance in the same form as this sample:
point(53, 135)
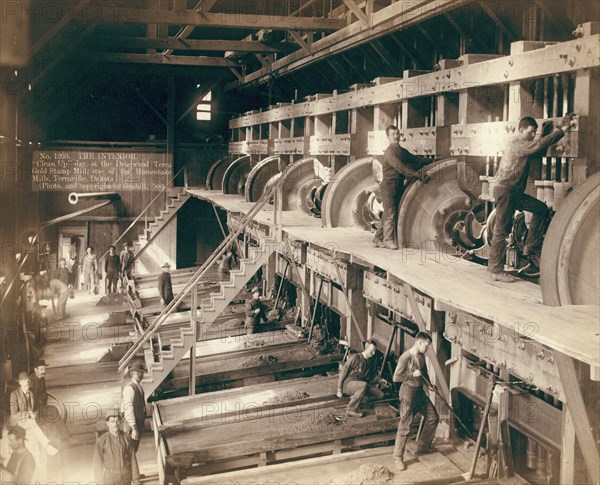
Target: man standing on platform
point(411, 371)
point(115, 462)
point(509, 193)
point(133, 404)
point(112, 265)
point(165, 287)
point(398, 164)
point(358, 377)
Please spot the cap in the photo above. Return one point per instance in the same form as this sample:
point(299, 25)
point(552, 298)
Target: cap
point(39, 363)
point(166, 265)
point(23, 376)
point(137, 366)
point(113, 412)
point(18, 432)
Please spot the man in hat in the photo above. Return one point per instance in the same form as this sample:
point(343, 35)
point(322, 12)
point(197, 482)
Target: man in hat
point(112, 264)
point(255, 312)
point(47, 414)
point(20, 466)
point(133, 404)
point(22, 401)
point(165, 287)
point(114, 461)
point(127, 259)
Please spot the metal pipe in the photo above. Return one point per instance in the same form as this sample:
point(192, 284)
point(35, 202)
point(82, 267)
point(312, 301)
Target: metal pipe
point(75, 196)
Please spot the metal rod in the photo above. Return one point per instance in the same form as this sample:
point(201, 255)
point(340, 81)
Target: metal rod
point(314, 315)
point(287, 265)
point(219, 220)
point(388, 349)
point(486, 413)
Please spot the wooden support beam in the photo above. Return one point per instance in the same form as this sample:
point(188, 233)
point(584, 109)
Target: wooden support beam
point(186, 31)
point(236, 73)
point(385, 54)
point(415, 57)
point(416, 311)
point(59, 26)
point(150, 105)
point(490, 12)
point(226, 20)
point(172, 43)
point(204, 91)
point(579, 414)
point(344, 292)
point(481, 45)
point(262, 60)
point(203, 61)
point(534, 64)
point(298, 38)
point(356, 10)
point(56, 60)
point(170, 122)
point(395, 17)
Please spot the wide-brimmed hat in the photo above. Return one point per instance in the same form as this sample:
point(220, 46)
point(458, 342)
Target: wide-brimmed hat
point(18, 432)
point(39, 363)
point(166, 265)
point(137, 366)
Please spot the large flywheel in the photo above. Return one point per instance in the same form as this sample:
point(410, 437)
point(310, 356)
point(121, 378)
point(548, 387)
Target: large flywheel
point(347, 197)
point(261, 176)
point(300, 184)
point(214, 177)
point(439, 215)
point(570, 262)
point(235, 176)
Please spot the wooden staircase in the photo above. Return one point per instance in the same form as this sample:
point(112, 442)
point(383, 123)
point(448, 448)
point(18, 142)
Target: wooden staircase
point(160, 221)
point(170, 344)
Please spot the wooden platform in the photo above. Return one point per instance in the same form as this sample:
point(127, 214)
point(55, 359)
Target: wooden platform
point(245, 360)
point(262, 424)
point(573, 330)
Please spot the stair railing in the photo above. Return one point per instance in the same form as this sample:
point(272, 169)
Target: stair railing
point(200, 273)
point(143, 213)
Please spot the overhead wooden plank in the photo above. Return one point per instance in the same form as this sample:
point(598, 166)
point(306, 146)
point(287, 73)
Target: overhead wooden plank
point(201, 7)
point(57, 27)
point(533, 64)
point(167, 60)
point(389, 19)
point(180, 44)
point(298, 38)
point(247, 20)
point(356, 10)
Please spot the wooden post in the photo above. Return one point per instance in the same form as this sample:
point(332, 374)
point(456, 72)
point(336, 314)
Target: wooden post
point(579, 415)
point(194, 324)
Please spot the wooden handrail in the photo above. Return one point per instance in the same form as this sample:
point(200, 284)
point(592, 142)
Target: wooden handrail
point(199, 274)
point(142, 213)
